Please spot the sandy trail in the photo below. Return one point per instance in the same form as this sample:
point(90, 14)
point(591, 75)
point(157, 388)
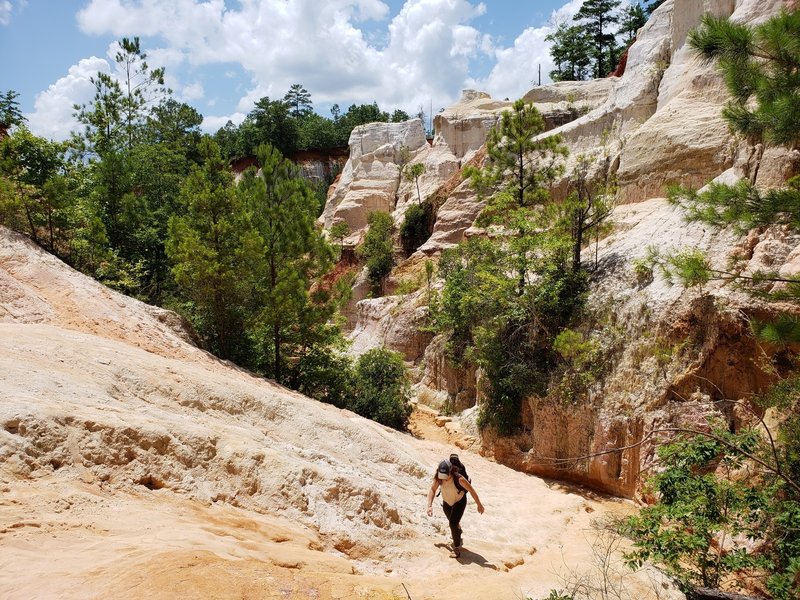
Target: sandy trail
point(133, 465)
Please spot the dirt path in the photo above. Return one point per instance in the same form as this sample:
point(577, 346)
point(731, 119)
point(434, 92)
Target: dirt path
point(422, 425)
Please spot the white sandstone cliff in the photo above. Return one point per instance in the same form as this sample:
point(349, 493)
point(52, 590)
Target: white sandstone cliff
point(659, 123)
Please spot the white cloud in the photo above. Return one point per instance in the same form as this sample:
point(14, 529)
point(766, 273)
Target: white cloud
point(319, 44)
point(372, 10)
point(5, 12)
point(516, 69)
point(53, 108)
point(212, 124)
point(193, 91)
point(336, 49)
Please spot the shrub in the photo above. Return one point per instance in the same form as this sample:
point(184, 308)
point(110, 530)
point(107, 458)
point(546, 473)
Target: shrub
point(325, 375)
point(416, 227)
point(382, 388)
point(377, 248)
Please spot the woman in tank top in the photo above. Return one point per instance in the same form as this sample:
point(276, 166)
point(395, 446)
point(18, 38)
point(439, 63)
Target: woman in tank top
point(454, 499)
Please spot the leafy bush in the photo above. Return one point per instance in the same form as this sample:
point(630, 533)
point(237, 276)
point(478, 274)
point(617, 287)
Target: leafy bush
point(417, 226)
point(382, 388)
point(711, 526)
point(326, 375)
point(377, 248)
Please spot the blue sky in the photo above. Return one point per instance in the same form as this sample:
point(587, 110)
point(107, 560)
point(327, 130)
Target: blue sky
point(222, 55)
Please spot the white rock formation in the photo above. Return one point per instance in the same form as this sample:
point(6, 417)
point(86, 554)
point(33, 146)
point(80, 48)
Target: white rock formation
point(371, 175)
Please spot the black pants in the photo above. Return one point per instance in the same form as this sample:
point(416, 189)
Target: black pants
point(454, 514)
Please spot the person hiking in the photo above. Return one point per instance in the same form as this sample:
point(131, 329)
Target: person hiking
point(454, 499)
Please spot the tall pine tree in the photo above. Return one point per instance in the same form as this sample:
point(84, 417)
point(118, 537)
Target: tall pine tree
point(597, 16)
point(292, 254)
point(208, 245)
point(571, 52)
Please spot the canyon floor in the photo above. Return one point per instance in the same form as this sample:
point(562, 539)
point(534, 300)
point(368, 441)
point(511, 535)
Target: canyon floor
point(66, 535)
point(135, 465)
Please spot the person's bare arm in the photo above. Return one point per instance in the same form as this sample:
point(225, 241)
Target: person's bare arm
point(431, 495)
point(468, 486)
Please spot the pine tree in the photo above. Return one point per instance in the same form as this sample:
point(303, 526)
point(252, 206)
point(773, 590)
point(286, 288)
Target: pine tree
point(632, 20)
point(571, 52)
point(760, 65)
point(299, 100)
point(292, 253)
point(207, 244)
point(273, 124)
point(10, 115)
point(597, 16)
point(514, 182)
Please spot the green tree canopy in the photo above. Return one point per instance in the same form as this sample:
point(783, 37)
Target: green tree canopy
point(520, 167)
point(382, 388)
point(632, 20)
point(299, 100)
point(212, 249)
point(282, 210)
point(571, 52)
point(597, 16)
point(10, 114)
point(377, 248)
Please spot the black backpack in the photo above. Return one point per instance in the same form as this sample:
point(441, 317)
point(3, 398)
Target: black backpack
point(455, 461)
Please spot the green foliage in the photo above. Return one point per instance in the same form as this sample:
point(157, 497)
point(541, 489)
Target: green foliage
point(399, 116)
point(121, 104)
point(291, 125)
point(316, 132)
point(339, 231)
point(696, 511)
point(506, 297)
point(299, 100)
point(476, 287)
point(703, 526)
point(10, 114)
point(382, 388)
point(574, 347)
point(689, 266)
point(632, 20)
point(273, 124)
point(784, 329)
point(571, 52)
point(643, 271)
point(40, 197)
point(759, 64)
point(741, 205)
point(596, 16)
point(326, 374)
point(413, 173)
point(417, 226)
point(291, 253)
point(514, 185)
point(585, 211)
point(489, 324)
point(377, 249)
point(209, 244)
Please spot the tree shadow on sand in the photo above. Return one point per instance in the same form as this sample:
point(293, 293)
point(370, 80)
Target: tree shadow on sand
point(468, 557)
